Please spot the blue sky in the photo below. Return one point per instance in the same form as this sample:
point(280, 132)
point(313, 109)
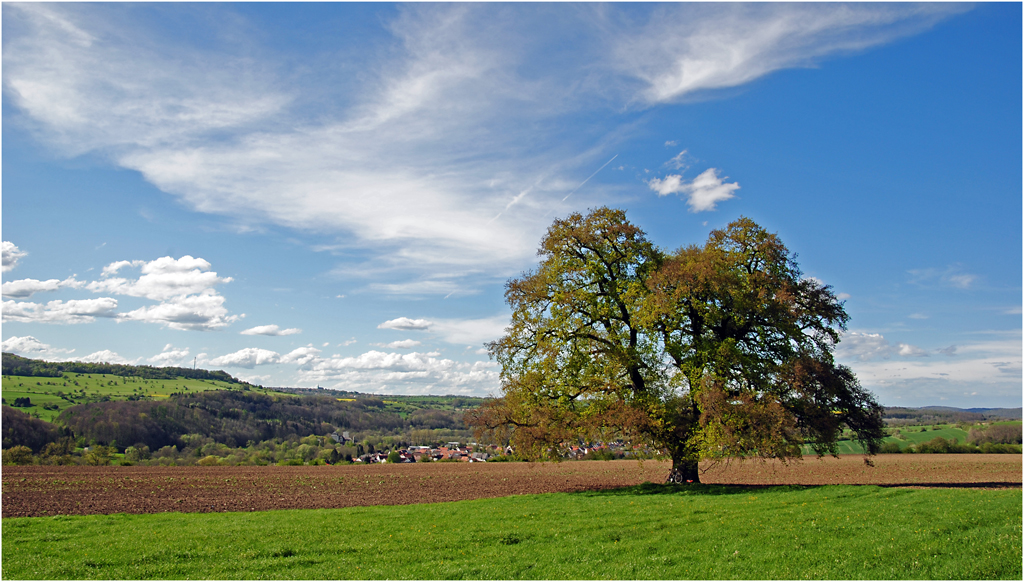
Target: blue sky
point(335, 194)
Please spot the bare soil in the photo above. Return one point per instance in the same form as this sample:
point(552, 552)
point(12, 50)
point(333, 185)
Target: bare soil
point(53, 490)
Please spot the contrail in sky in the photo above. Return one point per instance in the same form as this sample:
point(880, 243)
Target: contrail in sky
point(588, 179)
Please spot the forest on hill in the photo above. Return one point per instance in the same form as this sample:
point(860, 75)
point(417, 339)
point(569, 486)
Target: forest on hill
point(15, 365)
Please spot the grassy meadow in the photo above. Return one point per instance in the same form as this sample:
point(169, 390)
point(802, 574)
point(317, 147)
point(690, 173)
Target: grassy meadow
point(644, 532)
point(81, 388)
point(912, 435)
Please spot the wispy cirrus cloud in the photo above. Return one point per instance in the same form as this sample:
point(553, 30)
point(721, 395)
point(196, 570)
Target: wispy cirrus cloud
point(447, 127)
point(679, 52)
point(454, 331)
point(951, 276)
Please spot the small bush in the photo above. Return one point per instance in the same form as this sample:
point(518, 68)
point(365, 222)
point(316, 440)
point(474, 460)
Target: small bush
point(18, 455)
point(890, 448)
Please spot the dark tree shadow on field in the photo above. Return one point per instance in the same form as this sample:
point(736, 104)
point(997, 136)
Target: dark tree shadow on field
point(690, 489)
point(727, 489)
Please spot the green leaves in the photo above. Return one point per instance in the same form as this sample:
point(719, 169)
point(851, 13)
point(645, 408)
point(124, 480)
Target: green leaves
point(719, 350)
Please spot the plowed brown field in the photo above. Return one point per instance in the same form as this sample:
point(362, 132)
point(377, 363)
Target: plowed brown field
point(43, 490)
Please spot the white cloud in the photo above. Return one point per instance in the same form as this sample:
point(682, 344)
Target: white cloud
point(702, 194)
point(30, 345)
point(202, 312)
point(247, 358)
point(170, 356)
point(183, 287)
point(23, 288)
point(679, 161)
point(995, 364)
point(413, 373)
point(683, 50)
point(73, 311)
point(909, 351)
point(864, 347)
point(401, 344)
point(385, 164)
point(272, 330)
point(302, 356)
point(951, 276)
point(901, 375)
point(105, 356)
point(471, 331)
point(454, 331)
point(162, 279)
point(405, 324)
point(11, 254)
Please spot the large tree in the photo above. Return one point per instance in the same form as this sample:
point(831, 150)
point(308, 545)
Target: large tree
point(711, 352)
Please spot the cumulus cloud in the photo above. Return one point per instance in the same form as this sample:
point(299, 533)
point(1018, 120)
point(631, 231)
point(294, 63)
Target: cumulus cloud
point(194, 312)
point(993, 363)
point(30, 345)
point(302, 356)
point(162, 279)
point(72, 311)
point(23, 288)
point(702, 194)
point(184, 288)
point(412, 373)
point(11, 254)
point(105, 356)
point(272, 330)
point(864, 347)
point(405, 324)
point(247, 358)
point(401, 344)
point(170, 356)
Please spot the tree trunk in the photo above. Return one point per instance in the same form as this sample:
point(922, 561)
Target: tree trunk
point(683, 471)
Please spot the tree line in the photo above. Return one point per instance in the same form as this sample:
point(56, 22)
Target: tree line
point(15, 365)
point(226, 417)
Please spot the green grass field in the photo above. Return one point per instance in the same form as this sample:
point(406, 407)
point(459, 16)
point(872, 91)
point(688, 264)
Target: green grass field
point(43, 391)
point(645, 532)
point(911, 435)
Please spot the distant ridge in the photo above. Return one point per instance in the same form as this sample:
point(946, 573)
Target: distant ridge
point(15, 365)
point(949, 414)
point(1004, 412)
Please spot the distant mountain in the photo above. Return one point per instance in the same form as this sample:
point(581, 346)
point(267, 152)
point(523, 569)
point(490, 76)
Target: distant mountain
point(949, 414)
point(1013, 413)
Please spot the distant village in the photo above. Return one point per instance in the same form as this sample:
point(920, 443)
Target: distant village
point(472, 452)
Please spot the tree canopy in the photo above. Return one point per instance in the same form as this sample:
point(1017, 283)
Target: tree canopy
point(710, 352)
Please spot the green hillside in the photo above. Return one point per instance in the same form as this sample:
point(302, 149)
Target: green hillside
point(52, 395)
